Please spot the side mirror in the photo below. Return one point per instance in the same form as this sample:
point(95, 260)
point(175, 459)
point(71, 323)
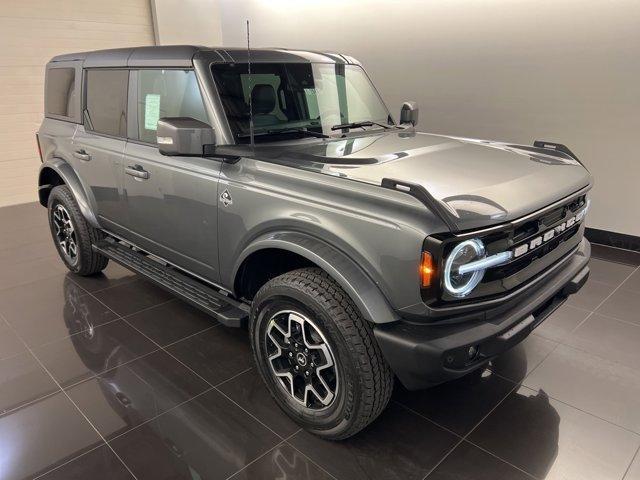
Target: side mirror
point(409, 113)
point(184, 136)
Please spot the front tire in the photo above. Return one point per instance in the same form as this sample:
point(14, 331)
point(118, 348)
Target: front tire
point(72, 235)
point(317, 355)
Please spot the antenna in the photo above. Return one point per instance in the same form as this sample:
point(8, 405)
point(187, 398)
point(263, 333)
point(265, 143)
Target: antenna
point(250, 88)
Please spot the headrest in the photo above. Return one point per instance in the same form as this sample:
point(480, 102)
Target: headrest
point(263, 98)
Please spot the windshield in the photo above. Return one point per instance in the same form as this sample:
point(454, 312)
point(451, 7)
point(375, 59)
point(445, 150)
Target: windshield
point(289, 97)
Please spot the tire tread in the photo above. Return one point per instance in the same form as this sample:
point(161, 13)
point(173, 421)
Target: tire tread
point(91, 262)
point(375, 376)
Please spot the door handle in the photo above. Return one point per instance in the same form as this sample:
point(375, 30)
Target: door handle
point(82, 155)
point(137, 172)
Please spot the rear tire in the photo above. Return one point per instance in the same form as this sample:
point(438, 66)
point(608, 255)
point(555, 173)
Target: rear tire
point(351, 381)
point(72, 234)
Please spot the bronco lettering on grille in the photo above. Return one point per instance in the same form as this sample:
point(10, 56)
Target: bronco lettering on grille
point(549, 234)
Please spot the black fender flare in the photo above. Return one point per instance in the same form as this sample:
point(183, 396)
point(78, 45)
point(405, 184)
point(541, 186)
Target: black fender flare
point(350, 276)
point(70, 178)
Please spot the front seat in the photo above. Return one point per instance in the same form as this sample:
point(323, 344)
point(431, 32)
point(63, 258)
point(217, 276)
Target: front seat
point(263, 102)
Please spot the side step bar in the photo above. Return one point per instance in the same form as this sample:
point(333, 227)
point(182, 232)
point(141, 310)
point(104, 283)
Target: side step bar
point(226, 310)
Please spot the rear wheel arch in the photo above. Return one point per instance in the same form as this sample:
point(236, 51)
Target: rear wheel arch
point(292, 250)
point(47, 180)
point(59, 172)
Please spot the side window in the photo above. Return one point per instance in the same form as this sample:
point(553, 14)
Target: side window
point(106, 106)
point(60, 94)
point(166, 93)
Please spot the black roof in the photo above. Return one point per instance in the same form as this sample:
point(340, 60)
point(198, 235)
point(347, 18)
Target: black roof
point(182, 56)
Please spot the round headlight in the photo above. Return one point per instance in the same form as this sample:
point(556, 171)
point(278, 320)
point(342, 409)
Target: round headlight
point(460, 285)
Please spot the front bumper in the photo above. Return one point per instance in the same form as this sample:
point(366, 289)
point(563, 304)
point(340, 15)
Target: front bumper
point(423, 355)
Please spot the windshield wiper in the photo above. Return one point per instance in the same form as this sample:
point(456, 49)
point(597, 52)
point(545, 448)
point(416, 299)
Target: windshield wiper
point(276, 131)
point(304, 131)
point(366, 123)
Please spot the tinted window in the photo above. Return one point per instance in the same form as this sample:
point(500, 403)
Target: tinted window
point(106, 109)
point(166, 93)
point(60, 94)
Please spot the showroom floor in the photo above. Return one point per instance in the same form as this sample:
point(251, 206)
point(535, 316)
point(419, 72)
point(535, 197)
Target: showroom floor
point(109, 377)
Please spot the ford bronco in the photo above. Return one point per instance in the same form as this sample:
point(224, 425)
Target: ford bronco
point(273, 189)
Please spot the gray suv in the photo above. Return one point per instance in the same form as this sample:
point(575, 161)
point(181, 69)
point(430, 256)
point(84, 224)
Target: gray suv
point(276, 191)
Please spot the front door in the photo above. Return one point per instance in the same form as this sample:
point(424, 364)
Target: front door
point(172, 207)
point(171, 201)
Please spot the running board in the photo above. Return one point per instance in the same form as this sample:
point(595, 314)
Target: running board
point(226, 310)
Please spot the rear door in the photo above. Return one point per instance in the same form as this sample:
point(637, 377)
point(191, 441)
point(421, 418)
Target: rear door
point(171, 201)
point(98, 144)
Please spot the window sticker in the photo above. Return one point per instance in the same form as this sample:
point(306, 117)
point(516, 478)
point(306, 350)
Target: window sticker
point(151, 111)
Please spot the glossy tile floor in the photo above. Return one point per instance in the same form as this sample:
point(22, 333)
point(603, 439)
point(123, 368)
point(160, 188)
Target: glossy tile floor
point(109, 377)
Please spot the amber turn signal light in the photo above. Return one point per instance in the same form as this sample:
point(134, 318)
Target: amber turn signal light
point(427, 270)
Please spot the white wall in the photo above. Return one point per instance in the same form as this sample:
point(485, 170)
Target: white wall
point(186, 22)
point(565, 71)
point(31, 32)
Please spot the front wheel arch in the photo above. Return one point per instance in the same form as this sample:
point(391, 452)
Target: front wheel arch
point(362, 290)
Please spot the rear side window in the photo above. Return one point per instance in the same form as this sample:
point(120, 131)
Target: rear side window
point(106, 101)
point(60, 94)
point(166, 93)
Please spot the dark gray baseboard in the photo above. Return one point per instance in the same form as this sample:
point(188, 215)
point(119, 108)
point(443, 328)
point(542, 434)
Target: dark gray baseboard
point(613, 239)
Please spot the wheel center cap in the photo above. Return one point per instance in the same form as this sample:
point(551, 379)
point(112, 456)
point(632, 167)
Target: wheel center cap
point(301, 358)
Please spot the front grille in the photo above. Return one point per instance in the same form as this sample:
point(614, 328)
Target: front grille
point(500, 280)
point(553, 217)
point(515, 266)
